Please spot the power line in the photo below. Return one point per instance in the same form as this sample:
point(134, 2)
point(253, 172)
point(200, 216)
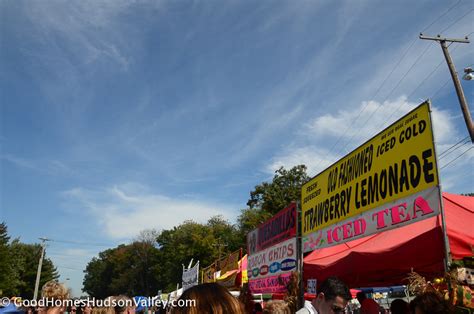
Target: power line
point(400, 81)
point(65, 267)
point(84, 243)
point(447, 150)
point(459, 147)
point(432, 72)
point(396, 86)
point(456, 158)
point(439, 17)
point(444, 85)
point(427, 77)
point(385, 80)
point(457, 21)
point(363, 109)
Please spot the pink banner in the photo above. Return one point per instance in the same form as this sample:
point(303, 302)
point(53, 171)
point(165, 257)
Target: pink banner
point(278, 228)
point(273, 284)
point(402, 212)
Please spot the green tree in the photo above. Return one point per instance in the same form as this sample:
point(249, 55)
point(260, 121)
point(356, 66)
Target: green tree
point(284, 188)
point(127, 269)
point(268, 198)
point(7, 280)
point(25, 259)
point(191, 240)
point(98, 274)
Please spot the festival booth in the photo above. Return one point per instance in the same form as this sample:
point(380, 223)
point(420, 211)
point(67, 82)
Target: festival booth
point(386, 258)
point(232, 271)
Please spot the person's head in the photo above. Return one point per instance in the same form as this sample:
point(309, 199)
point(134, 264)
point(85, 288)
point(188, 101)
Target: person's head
point(399, 306)
point(122, 304)
point(361, 296)
point(86, 309)
point(277, 307)
point(72, 309)
point(332, 296)
point(53, 290)
point(257, 308)
point(429, 303)
point(209, 298)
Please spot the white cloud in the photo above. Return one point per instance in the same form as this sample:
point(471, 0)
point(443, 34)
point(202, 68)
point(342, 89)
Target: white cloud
point(340, 133)
point(88, 29)
point(122, 211)
point(443, 126)
point(48, 167)
point(359, 123)
point(315, 159)
point(371, 117)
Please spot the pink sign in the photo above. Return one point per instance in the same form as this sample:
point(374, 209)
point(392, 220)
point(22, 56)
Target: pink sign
point(272, 284)
point(278, 228)
point(392, 215)
point(265, 267)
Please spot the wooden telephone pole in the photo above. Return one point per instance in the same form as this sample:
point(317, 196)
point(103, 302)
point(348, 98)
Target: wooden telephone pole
point(457, 84)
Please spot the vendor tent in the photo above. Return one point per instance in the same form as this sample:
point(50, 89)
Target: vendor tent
point(386, 258)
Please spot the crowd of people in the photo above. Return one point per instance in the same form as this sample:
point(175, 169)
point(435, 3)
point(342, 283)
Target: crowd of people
point(333, 297)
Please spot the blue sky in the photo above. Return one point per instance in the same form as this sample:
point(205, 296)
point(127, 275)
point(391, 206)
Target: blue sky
point(118, 116)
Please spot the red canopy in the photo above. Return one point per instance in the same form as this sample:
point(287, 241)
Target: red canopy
point(387, 257)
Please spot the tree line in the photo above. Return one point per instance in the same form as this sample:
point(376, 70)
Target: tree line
point(153, 261)
point(18, 266)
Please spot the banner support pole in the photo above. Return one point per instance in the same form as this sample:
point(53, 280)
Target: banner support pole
point(299, 252)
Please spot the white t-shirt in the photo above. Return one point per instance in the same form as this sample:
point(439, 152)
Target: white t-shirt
point(307, 309)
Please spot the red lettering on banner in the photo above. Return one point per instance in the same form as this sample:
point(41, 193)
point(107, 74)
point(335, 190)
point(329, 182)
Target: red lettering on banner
point(270, 284)
point(380, 218)
point(335, 235)
point(359, 227)
point(329, 236)
point(349, 230)
point(421, 205)
point(346, 231)
point(399, 214)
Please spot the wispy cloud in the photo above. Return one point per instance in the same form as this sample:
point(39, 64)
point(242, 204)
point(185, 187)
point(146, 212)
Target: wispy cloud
point(48, 167)
point(122, 211)
point(351, 127)
point(86, 26)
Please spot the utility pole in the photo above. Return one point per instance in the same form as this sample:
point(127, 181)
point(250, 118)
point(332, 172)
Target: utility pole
point(454, 75)
point(40, 265)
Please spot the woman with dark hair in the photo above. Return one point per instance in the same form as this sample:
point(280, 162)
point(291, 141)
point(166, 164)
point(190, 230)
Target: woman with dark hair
point(399, 306)
point(429, 303)
point(209, 298)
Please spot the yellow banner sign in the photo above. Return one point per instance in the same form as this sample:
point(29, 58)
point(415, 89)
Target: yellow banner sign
point(230, 262)
point(208, 274)
point(396, 163)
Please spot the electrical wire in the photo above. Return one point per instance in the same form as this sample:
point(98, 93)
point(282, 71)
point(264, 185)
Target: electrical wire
point(459, 147)
point(439, 89)
point(398, 84)
point(367, 103)
point(386, 78)
point(457, 21)
point(424, 80)
point(442, 15)
point(447, 150)
point(456, 158)
point(393, 89)
point(84, 243)
point(66, 267)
